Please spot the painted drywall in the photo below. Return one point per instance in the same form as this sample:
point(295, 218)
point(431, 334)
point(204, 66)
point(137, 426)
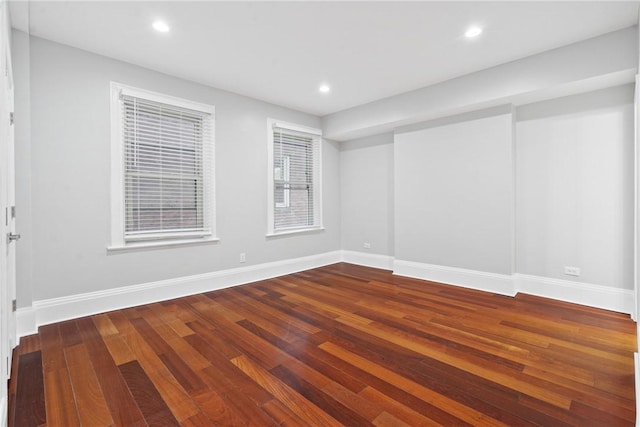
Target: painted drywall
point(454, 198)
point(580, 67)
point(465, 223)
point(70, 167)
point(575, 160)
point(366, 176)
point(22, 134)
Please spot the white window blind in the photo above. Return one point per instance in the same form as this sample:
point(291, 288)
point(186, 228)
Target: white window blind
point(296, 172)
point(283, 173)
point(168, 169)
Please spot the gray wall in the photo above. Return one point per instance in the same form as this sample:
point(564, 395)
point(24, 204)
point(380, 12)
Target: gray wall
point(366, 175)
point(442, 193)
point(453, 197)
point(575, 187)
point(70, 167)
point(454, 200)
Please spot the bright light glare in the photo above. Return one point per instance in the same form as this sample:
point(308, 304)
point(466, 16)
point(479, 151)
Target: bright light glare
point(161, 26)
point(324, 88)
point(473, 32)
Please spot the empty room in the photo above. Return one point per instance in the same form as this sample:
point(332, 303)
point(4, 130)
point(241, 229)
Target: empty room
point(319, 213)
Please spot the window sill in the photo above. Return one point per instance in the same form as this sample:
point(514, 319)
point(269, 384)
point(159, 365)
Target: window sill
point(140, 246)
point(293, 232)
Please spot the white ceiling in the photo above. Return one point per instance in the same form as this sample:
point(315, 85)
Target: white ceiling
point(280, 52)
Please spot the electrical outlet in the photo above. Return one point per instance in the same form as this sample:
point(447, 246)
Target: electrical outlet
point(243, 257)
point(366, 245)
point(571, 271)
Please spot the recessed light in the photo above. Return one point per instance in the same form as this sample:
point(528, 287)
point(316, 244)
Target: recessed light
point(161, 26)
point(324, 88)
point(473, 31)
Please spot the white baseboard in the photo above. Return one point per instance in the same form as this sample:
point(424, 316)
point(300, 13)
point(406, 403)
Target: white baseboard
point(384, 262)
point(75, 306)
point(480, 280)
point(598, 296)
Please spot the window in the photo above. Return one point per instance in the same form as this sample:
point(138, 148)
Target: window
point(294, 178)
point(162, 168)
point(282, 174)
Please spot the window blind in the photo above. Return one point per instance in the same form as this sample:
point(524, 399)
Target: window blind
point(296, 164)
point(167, 170)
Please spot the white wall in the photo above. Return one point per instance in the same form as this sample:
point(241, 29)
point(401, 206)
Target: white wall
point(366, 176)
point(70, 170)
point(575, 160)
point(454, 200)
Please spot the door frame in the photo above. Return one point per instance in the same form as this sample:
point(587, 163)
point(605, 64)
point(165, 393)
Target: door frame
point(7, 214)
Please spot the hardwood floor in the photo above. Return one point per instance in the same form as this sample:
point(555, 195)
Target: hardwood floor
point(338, 345)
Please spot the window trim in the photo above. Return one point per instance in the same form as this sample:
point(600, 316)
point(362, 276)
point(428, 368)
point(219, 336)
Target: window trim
point(317, 180)
point(118, 214)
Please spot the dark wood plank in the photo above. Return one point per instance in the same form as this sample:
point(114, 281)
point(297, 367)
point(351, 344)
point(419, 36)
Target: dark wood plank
point(153, 407)
point(69, 333)
point(323, 400)
point(29, 344)
point(216, 410)
point(29, 401)
point(305, 409)
point(90, 401)
point(174, 363)
point(60, 402)
point(12, 386)
point(177, 399)
point(52, 348)
point(224, 377)
point(122, 406)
